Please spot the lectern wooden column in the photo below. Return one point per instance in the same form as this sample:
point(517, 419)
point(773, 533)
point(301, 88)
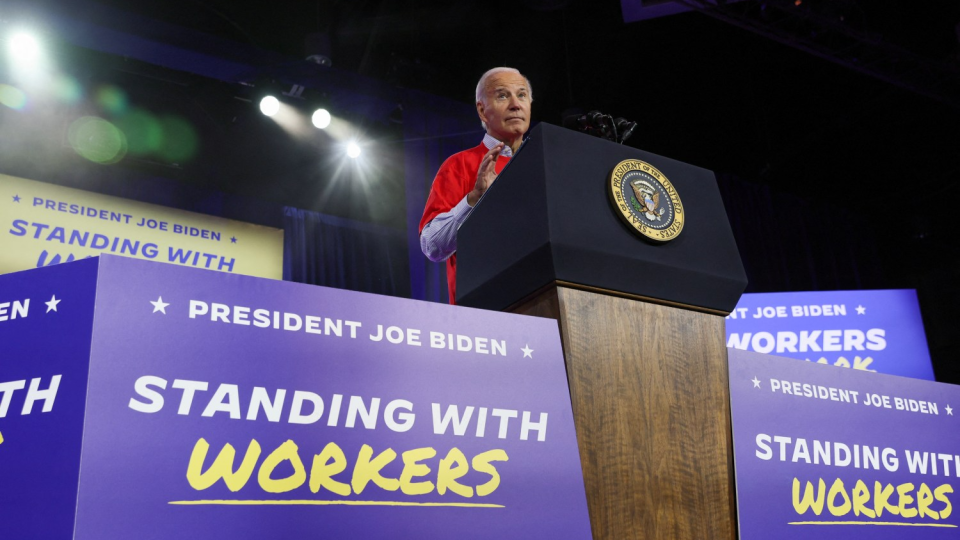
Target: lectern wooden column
point(641, 324)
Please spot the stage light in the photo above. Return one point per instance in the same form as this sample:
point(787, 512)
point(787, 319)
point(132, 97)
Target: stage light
point(27, 60)
point(353, 150)
point(24, 48)
point(321, 118)
point(269, 105)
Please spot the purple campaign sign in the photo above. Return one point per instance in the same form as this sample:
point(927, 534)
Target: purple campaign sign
point(45, 320)
point(824, 453)
point(347, 415)
point(878, 331)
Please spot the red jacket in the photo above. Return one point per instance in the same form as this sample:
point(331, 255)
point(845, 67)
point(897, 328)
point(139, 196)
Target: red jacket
point(454, 180)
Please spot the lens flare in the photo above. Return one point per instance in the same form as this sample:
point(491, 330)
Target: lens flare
point(179, 140)
point(112, 99)
point(12, 97)
point(97, 140)
point(67, 89)
point(144, 133)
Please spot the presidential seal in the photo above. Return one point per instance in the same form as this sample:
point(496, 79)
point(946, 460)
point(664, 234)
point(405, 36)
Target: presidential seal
point(645, 200)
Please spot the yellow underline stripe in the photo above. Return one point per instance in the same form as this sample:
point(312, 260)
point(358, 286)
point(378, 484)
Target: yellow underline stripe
point(311, 502)
point(871, 523)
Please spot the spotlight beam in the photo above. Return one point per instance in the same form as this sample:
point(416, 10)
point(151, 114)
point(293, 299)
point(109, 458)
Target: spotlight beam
point(353, 150)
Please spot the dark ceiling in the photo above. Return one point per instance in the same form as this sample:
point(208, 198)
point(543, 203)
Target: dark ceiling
point(703, 90)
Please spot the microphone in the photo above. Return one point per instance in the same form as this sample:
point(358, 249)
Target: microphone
point(625, 127)
point(600, 125)
point(583, 122)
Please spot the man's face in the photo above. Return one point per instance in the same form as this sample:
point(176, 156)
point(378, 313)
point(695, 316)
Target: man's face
point(505, 106)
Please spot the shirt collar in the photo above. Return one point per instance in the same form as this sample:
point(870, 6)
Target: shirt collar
point(490, 142)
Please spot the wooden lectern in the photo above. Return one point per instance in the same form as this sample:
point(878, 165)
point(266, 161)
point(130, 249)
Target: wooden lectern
point(641, 324)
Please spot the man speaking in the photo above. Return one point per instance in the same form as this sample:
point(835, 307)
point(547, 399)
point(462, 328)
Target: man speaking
point(503, 97)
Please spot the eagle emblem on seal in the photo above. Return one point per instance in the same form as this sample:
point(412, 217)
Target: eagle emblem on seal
point(648, 198)
point(646, 201)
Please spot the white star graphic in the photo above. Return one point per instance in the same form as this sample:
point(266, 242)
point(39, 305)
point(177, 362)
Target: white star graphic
point(861, 310)
point(527, 351)
point(52, 304)
point(160, 305)
point(949, 410)
point(755, 381)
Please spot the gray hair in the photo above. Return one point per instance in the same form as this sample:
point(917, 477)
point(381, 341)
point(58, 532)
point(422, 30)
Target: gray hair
point(491, 72)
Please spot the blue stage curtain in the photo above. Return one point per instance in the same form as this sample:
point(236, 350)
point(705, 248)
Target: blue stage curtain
point(790, 243)
point(433, 129)
point(337, 252)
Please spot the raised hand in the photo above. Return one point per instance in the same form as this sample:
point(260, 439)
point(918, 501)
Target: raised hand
point(486, 174)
